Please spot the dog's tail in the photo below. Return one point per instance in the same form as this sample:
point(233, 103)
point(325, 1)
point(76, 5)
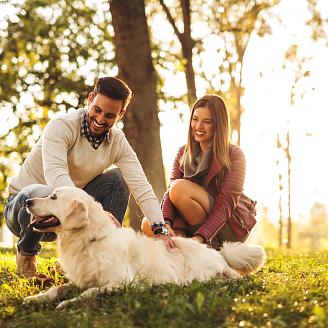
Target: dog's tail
point(243, 258)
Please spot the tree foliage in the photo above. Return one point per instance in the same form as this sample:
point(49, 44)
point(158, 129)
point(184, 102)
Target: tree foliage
point(314, 233)
point(186, 41)
point(51, 52)
point(317, 22)
point(234, 22)
point(227, 24)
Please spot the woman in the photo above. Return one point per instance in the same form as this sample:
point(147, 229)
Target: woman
point(207, 179)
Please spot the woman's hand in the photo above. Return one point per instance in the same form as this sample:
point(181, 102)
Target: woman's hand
point(171, 231)
point(169, 243)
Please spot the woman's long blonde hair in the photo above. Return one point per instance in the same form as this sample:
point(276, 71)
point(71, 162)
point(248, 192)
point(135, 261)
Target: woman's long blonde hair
point(221, 130)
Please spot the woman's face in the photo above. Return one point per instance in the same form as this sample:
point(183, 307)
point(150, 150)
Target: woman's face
point(202, 127)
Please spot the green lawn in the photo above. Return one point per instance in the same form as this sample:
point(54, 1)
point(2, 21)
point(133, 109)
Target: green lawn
point(290, 291)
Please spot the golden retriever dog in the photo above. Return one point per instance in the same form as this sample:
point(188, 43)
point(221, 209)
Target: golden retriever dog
point(98, 256)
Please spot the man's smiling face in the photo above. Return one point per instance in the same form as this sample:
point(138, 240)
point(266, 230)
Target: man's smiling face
point(103, 113)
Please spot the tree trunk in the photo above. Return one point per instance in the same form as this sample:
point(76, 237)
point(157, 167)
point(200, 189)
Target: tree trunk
point(187, 45)
point(239, 92)
point(141, 123)
point(280, 186)
point(289, 219)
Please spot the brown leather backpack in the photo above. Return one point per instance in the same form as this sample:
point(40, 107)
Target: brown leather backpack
point(243, 217)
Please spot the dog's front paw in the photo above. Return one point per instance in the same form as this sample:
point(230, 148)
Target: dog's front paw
point(39, 298)
point(66, 303)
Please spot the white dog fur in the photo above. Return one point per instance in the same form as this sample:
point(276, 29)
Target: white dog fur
point(98, 256)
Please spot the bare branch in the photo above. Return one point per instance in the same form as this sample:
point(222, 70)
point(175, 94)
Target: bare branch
point(171, 20)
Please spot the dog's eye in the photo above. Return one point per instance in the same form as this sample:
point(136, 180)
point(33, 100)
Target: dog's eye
point(53, 196)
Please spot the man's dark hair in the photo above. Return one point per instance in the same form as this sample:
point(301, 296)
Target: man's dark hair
point(113, 88)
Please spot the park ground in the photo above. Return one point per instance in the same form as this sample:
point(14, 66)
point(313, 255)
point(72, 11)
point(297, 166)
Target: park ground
point(291, 290)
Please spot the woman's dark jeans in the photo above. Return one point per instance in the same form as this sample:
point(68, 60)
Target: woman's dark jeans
point(109, 189)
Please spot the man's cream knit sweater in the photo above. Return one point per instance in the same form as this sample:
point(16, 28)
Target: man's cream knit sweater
point(62, 157)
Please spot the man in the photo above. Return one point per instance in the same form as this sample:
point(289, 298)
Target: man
point(74, 150)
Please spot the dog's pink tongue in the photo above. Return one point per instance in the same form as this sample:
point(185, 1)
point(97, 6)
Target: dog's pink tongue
point(35, 220)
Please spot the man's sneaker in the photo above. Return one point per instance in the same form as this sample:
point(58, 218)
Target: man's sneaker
point(26, 265)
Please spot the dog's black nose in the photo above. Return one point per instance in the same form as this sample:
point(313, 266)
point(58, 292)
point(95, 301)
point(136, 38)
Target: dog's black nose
point(28, 202)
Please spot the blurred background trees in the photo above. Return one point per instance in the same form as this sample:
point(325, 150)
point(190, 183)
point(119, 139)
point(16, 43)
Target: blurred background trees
point(51, 53)
point(229, 24)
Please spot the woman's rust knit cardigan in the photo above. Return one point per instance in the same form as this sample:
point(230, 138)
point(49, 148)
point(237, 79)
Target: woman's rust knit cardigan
point(225, 187)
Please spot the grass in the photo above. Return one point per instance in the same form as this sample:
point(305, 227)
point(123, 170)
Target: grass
point(290, 291)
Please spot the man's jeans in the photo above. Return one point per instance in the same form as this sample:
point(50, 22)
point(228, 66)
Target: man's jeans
point(109, 189)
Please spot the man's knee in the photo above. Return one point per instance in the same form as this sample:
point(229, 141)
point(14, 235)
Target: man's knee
point(32, 191)
point(39, 190)
point(16, 212)
point(115, 174)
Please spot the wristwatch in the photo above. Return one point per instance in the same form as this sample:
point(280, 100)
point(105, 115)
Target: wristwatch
point(163, 230)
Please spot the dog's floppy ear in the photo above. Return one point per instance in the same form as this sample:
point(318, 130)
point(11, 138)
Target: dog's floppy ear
point(78, 218)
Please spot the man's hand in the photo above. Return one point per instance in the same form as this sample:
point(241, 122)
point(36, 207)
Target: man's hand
point(199, 239)
point(169, 243)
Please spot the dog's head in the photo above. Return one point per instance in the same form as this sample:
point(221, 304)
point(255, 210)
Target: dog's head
point(64, 209)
